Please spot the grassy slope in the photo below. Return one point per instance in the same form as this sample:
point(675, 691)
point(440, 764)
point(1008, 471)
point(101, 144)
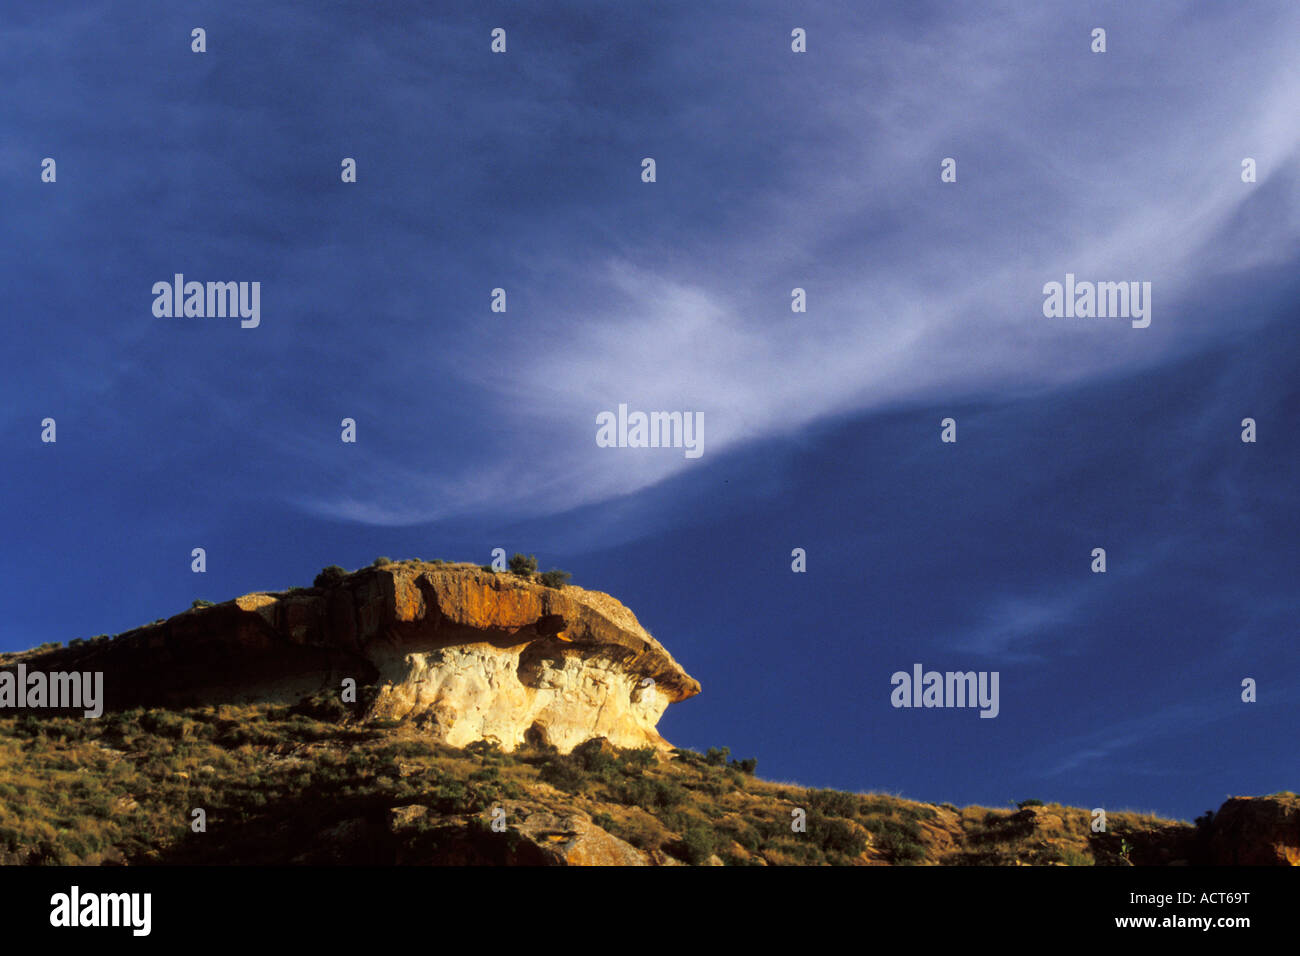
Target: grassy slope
point(279, 785)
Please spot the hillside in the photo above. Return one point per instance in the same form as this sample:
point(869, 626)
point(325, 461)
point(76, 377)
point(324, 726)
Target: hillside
point(302, 785)
point(481, 734)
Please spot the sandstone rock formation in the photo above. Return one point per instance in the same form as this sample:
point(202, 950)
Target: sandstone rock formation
point(466, 653)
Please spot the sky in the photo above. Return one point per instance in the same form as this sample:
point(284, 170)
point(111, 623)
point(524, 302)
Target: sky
point(774, 170)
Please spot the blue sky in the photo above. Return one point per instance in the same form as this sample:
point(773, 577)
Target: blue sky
point(775, 170)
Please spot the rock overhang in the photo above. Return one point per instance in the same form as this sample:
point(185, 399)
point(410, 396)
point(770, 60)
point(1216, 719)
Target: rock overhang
point(282, 645)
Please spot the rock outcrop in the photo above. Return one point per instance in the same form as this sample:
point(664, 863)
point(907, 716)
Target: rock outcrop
point(1257, 831)
point(466, 653)
point(536, 836)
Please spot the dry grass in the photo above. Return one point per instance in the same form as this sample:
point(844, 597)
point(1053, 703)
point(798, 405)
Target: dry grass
point(277, 786)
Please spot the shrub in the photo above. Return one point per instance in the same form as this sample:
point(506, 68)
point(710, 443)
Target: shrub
point(648, 793)
point(902, 850)
point(519, 564)
point(592, 757)
point(487, 749)
point(555, 578)
point(1029, 803)
point(902, 841)
point(836, 836)
point(638, 759)
point(166, 723)
point(916, 811)
point(689, 757)
point(330, 577)
point(698, 843)
point(380, 562)
point(717, 756)
point(199, 602)
point(833, 803)
point(749, 765)
point(562, 775)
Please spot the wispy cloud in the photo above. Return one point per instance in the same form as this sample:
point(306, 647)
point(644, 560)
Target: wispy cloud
point(1016, 628)
point(917, 290)
point(819, 171)
point(1109, 741)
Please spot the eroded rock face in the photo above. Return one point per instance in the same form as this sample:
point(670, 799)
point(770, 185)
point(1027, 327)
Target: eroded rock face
point(469, 654)
point(474, 692)
point(1257, 831)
